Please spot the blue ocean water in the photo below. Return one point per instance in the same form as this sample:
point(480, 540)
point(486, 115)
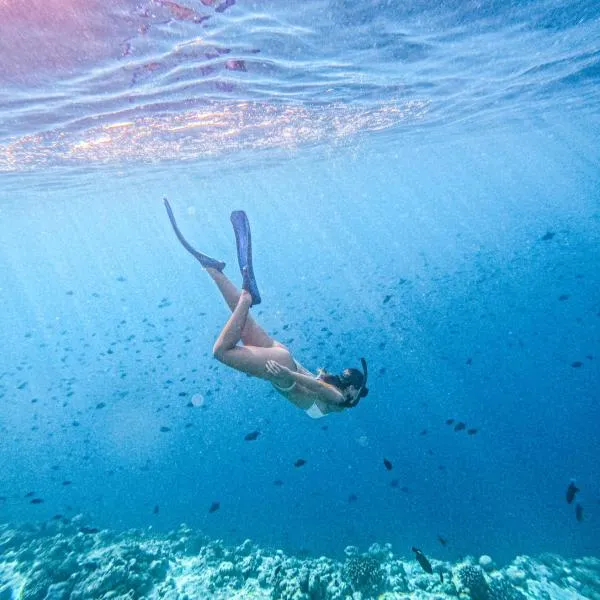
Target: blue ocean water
point(423, 185)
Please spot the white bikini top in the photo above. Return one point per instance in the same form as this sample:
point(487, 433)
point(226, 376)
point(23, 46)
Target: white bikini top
point(314, 412)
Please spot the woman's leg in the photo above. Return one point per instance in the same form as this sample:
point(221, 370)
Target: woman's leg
point(249, 358)
point(251, 334)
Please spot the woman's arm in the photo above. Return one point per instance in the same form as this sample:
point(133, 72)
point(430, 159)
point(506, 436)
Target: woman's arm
point(327, 393)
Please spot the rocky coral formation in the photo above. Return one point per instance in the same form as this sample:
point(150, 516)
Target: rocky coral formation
point(471, 581)
point(65, 560)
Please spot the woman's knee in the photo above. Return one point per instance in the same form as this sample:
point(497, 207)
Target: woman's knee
point(218, 352)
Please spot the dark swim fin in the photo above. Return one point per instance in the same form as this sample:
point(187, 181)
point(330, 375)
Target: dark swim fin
point(243, 240)
point(205, 261)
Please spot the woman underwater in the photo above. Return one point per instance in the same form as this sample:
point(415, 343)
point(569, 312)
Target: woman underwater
point(262, 356)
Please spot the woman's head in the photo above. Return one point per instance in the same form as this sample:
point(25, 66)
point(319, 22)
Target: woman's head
point(351, 383)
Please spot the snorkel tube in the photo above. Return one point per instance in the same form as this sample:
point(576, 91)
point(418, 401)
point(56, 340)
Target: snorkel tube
point(352, 403)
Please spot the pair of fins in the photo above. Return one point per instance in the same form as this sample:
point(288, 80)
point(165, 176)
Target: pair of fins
point(243, 240)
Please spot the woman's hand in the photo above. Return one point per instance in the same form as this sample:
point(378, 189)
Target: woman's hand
point(277, 370)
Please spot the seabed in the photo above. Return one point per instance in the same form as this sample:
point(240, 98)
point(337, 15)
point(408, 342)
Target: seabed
point(65, 560)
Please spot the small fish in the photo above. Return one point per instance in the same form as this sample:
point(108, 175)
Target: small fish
point(577, 364)
point(449, 421)
point(89, 530)
point(441, 577)
point(214, 507)
point(394, 483)
point(571, 491)
point(299, 462)
point(352, 498)
point(387, 299)
point(424, 432)
point(278, 482)
point(442, 541)
point(40, 501)
point(459, 426)
point(422, 560)
point(469, 361)
point(579, 513)
point(165, 429)
point(67, 482)
point(156, 509)
point(549, 235)
point(472, 431)
point(388, 464)
point(251, 436)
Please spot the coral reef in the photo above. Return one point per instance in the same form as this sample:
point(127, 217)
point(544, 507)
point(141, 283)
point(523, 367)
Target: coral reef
point(65, 560)
point(364, 573)
point(471, 580)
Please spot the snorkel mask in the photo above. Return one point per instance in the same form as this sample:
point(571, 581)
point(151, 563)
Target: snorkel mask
point(352, 402)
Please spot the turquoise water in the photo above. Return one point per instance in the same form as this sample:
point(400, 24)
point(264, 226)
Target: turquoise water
point(423, 186)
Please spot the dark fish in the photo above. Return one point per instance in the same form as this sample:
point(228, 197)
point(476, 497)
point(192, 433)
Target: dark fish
point(388, 464)
point(472, 431)
point(278, 482)
point(100, 405)
point(549, 235)
point(251, 436)
point(156, 509)
point(387, 299)
point(422, 560)
point(89, 530)
point(442, 540)
point(165, 429)
point(325, 427)
point(579, 512)
point(441, 577)
point(352, 498)
point(459, 426)
point(67, 482)
point(394, 483)
point(36, 501)
point(424, 432)
point(571, 491)
point(449, 421)
point(214, 507)
point(577, 364)
point(224, 6)
point(299, 462)
point(469, 361)
point(563, 297)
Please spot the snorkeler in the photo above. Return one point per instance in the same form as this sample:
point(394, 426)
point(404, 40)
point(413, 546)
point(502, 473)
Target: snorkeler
point(262, 356)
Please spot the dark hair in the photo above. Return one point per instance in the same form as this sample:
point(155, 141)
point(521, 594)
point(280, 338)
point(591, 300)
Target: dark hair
point(353, 377)
point(345, 380)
